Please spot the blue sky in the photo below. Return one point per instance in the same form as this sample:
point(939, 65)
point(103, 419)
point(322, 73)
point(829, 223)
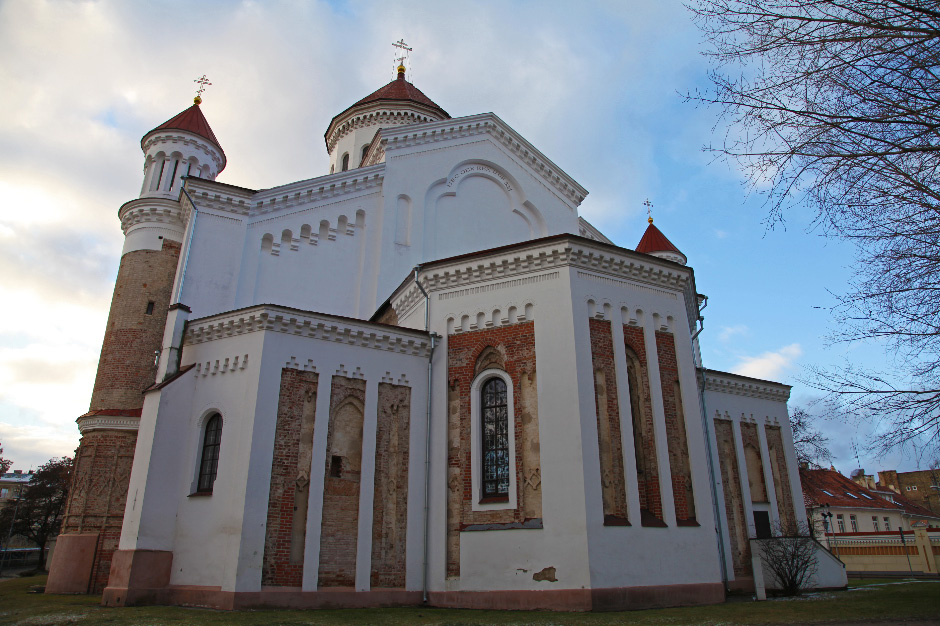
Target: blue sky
point(596, 86)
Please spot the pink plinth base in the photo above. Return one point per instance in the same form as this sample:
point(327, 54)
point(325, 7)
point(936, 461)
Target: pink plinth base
point(617, 599)
point(72, 560)
point(138, 577)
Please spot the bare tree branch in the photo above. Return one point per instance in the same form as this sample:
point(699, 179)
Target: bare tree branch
point(836, 104)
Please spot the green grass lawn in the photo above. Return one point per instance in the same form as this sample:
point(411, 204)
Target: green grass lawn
point(867, 601)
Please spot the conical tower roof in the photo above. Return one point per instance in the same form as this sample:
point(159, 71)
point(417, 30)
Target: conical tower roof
point(656, 243)
point(192, 121)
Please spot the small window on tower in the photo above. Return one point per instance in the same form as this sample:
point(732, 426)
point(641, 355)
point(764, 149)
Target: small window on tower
point(346, 162)
point(365, 149)
point(150, 308)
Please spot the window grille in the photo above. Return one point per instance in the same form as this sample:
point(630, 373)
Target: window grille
point(495, 428)
point(210, 454)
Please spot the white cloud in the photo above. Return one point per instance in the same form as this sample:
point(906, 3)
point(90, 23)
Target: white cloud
point(727, 332)
point(769, 365)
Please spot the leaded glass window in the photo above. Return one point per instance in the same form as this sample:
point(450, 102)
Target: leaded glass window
point(495, 427)
point(210, 453)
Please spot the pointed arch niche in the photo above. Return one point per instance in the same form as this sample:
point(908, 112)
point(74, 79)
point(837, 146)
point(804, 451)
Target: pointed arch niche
point(478, 205)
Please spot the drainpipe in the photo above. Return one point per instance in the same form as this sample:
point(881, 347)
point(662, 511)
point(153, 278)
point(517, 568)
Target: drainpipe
point(427, 437)
point(719, 535)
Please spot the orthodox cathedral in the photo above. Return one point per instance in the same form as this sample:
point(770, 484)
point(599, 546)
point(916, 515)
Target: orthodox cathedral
point(420, 378)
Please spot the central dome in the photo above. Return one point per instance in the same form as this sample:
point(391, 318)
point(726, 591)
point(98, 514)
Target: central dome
point(396, 104)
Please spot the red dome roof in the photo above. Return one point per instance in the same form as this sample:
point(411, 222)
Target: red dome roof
point(400, 90)
point(192, 121)
point(654, 241)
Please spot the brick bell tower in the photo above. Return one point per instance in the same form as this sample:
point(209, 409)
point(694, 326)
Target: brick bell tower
point(154, 232)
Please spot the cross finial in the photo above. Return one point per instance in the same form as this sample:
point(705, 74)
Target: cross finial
point(203, 83)
point(403, 50)
point(649, 210)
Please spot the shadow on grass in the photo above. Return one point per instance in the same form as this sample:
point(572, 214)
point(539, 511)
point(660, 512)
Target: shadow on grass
point(870, 601)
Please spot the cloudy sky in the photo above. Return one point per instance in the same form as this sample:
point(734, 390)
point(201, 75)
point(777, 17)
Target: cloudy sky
point(596, 86)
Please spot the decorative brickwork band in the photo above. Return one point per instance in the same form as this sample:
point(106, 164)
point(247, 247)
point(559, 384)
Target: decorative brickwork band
point(285, 534)
point(644, 438)
point(98, 495)
point(734, 507)
point(676, 435)
point(135, 327)
point(778, 464)
point(509, 348)
point(339, 535)
point(609, 442)
point(390, 503)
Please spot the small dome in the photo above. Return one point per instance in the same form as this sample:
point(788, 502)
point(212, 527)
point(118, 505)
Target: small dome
point(655, 243)
point(399, 94)
point(192, 121)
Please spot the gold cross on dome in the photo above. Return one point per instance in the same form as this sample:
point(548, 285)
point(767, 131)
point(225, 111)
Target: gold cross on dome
point(203, 83)
point(649, 210)
point(404, 50)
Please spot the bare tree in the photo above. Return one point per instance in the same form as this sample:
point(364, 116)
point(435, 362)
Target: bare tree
point(836, 104)
point(791, 557)
point(811, 446)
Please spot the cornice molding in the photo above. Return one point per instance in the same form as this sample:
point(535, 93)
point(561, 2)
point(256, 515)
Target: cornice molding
point(742, 386)
point(246, 203)
point(589, 231)
point(187, 139)
point(306, 324)
point(151, 210)
point(527, 258)
point(380, 113)
point(484, 124)
point(105, 422)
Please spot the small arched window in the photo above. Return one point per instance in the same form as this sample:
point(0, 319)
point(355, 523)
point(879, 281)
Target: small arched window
point(345, 162)
point(495, 444)
point(209, 464)
point(365, 149)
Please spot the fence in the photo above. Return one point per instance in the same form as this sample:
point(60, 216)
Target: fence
point(914, 552)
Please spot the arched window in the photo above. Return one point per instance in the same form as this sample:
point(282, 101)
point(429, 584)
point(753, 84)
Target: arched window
point(345, 162)
point(209, 464)
point(365, 149)
point(495, 443)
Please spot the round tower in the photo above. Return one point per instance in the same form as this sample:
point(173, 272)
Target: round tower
point(153, 234)
point(398, 103)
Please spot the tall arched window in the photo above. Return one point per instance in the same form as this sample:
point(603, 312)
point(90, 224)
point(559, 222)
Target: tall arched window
point(209, 464)
point(495, 448)
point(365, 149)
point(345, 162)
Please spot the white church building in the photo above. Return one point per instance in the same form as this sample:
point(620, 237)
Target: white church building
point(421, 377)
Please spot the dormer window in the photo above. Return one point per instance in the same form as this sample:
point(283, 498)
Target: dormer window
point(828, 494)
point(851, 495)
